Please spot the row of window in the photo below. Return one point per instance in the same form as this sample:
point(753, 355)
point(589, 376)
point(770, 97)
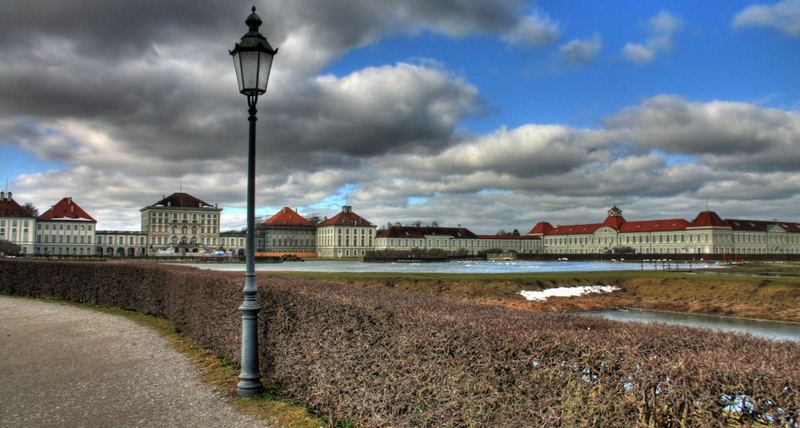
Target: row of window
point(185, 216)
point(636, 239)
point(461, 243)
point(62, 226)
point(183, 229)
point(63, 239)
point(120, 240)
point(14, 223)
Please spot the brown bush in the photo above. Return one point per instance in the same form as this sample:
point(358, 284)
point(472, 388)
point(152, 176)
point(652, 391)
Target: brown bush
point(387, 358)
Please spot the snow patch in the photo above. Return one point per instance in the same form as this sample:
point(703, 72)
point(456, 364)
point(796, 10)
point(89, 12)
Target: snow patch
point(541, 296)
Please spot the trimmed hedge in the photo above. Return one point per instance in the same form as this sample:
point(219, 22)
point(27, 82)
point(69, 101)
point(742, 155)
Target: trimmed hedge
point(388, 358)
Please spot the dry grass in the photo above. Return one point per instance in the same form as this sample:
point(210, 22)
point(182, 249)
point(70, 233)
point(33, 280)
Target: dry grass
point(733, 293)
point(390, 358)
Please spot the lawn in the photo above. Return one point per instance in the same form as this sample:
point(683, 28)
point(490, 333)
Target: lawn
point(740, 291)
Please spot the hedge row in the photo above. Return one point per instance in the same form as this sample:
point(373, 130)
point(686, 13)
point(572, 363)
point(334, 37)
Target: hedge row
point(387, 358)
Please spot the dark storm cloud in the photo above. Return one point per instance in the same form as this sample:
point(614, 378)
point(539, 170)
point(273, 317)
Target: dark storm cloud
point(156, 79)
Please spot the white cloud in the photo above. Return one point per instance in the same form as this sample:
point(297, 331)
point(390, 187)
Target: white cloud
point(582, 51)
point(533, 31)
point(783, 16)
point(638, 53)
point(662, 28)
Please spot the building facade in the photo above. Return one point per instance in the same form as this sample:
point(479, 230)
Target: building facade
point(65, 229)
point(181, 224)
point(16, 224)
point(453, 240)
point(286, 233)
point(345, 235)
point(706, 234)
point(233, 243)
point(120, 243)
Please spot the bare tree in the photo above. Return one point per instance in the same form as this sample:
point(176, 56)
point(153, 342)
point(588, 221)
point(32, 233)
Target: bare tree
point(9, 248)
point(30, 210)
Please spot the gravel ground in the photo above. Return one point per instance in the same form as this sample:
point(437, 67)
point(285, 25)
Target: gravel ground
point(67, 367)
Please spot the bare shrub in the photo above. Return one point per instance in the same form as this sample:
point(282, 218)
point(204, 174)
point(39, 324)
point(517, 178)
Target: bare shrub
point(388, 358)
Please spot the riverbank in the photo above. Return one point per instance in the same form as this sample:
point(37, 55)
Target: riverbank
point(746, 296)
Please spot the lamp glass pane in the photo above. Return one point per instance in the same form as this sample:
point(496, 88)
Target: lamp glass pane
point(238, 66)
point(264, 67)
point(249, 61)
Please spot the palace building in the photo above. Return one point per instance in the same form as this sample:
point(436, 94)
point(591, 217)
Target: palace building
point(453, 240)
point(65, 229)
point(120, 243)
point(16, 224)
point(345, 235)
point(181, 223)
point(706, 234)
point(287, 233)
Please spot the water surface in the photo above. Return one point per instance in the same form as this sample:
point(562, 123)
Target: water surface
point(461, 266)
point(767, 329)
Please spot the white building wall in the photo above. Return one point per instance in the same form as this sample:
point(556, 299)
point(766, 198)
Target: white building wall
point(20, 231)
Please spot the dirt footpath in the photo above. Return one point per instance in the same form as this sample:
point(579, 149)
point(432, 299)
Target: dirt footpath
point(63, 366)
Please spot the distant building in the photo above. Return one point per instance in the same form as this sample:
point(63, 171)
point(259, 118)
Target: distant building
point(286, 232)
point(706, 234)
point(65, 229)
point(16, 224)
point(119, 243)
point(181, 223)
point(452, 240)
point(233, 242)
point(345, 235)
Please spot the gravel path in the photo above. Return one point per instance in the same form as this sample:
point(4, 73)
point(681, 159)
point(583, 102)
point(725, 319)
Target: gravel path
point(67, 367)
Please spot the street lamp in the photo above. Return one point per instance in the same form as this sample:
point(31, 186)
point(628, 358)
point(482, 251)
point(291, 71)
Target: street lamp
point(252, 58)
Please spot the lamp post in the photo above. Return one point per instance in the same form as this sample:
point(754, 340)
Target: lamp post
point(252, 58)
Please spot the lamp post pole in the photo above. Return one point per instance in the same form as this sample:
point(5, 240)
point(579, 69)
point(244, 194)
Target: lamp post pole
point(252, 57)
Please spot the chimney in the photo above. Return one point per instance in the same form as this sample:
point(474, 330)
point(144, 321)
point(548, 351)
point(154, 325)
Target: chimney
point(2, 196)
point(347, 209)
point(9, 196)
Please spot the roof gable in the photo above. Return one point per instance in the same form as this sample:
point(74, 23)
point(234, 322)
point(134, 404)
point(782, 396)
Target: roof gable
point(182, 200)
point(346, 218)
point(541, 228)
point(708, 219)
point(288, 217)
point(10, 208)
point(66, 209)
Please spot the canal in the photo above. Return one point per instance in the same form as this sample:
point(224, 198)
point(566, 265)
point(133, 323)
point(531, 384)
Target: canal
point(774, 330)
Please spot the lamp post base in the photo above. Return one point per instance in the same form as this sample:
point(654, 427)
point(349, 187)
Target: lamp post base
point(249, 387)
point(250, 376)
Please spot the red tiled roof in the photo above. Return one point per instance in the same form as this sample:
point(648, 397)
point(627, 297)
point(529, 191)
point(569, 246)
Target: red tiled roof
point(10, 208)
point(654, 225)
point(541, 228)
point(761, 225)
point(421, 232)
point(708, 219)
point(287, 217)
point(525, 237)
point(182, 200)
point(66, 209)
point(346, 218)
point(576, 229)
point(614, 222)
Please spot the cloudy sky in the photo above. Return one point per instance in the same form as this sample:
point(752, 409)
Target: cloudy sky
point(487, 114)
